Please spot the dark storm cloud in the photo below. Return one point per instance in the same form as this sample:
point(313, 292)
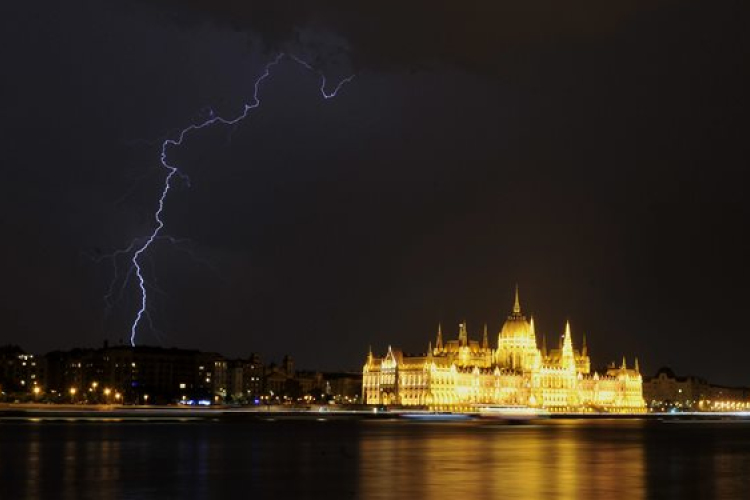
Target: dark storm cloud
point(594, 152)
point(616, 170)
point(392, 34)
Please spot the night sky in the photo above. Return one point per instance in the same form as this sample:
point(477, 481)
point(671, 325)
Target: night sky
point(594, 152)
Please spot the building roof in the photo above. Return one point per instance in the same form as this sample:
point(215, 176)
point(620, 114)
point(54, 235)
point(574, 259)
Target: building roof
point(516, 325)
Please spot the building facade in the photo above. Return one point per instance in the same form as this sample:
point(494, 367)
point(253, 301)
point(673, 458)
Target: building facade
point(461, 374)
point(20, 371)
point(666, 391)
point(142, 374)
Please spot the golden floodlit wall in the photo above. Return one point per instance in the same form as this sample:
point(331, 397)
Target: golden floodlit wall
point(462, 374)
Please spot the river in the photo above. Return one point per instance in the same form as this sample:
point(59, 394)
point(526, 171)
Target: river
point(374, 459)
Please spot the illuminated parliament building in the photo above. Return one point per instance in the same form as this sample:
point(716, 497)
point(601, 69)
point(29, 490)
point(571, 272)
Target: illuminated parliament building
point(464, 374)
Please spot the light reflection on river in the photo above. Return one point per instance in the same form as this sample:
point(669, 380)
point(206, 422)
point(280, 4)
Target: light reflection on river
point(497, 461)
point(565, 459)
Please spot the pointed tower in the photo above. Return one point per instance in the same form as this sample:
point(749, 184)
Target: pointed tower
point(637, 368)
point(584, 347)
point(517, 304)
point(439, 342)
point(583, 363)
point(544, 346)
point(624, 364)
point(532, 329)
point(463, 336)
point(567, 339)
point(429, 351)
point(485, 342)
point(567, 358)
point(369, 356)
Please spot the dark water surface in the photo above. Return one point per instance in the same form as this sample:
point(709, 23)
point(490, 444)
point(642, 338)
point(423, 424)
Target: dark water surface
point(566, 459)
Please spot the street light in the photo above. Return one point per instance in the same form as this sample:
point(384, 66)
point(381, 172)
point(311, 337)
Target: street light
point(72, 393)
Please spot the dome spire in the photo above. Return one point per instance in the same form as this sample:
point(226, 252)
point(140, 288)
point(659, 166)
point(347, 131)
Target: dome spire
point(517, 304)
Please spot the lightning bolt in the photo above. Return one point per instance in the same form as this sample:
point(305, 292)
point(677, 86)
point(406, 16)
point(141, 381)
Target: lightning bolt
point(113, 294)
point(323, 81)
point(172, 171)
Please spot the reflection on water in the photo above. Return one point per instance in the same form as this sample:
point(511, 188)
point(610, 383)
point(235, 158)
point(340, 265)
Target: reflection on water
point(374, 459)
point(562, 460)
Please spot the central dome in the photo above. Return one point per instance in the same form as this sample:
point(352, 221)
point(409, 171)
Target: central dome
point(516, 327)
point(516, 343)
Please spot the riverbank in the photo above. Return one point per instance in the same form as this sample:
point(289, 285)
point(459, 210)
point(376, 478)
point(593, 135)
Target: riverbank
point(181, 412)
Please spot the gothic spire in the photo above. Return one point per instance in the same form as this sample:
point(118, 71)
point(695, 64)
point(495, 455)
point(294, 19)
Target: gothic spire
point(517, 304)
point(567, 339)
point(439, 343)
point(485, 343)
point(463, 336)
point(567, 358)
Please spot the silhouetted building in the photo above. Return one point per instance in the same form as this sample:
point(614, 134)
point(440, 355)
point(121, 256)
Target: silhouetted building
point(665, 391)
point(20, 372)
point(253, 373)
point(721, 398)
point(311, 384)
point(124, 374)
point(344, 387)
point(69, 372)
point(281, 385)
point(136, 375)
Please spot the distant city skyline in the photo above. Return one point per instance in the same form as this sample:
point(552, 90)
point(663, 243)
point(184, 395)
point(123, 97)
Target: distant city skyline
point(474, 331)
